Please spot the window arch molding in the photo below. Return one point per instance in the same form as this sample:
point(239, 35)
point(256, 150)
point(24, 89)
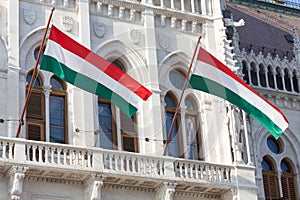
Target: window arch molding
point(134, 64)
point(27, 47)
point(291, 144)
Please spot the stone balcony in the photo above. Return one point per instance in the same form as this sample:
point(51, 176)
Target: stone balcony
point(67, 163)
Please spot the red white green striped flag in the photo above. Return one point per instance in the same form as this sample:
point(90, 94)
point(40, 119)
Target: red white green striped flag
point(76, 64)
point(212, 76)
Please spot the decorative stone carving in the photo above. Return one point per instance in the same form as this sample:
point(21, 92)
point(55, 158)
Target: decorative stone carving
point(163, 20)
point(110, 10)
point(135, 36)
point(163, 41)
point(29, 16)
point(96, 191)
point(132, 15)
point(99, 29)
point(183, 25)
point(121, 12)
point(166, 191)
point(16, 176)
point(99, 8)
point(94, 185)
point(67, 23)
point(194, 28)
point(173, 22)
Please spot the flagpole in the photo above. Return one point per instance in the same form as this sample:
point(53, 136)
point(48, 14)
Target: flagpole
point(181, 96)
point(34, 74)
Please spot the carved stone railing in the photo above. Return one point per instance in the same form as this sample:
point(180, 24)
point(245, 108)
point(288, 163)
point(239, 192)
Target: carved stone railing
point(61, 156)
point(197, 170)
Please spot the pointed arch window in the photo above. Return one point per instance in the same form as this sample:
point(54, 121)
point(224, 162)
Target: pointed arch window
point(270, 179)
point(262, 76)
point(245, 72)
point(295, 82)
point(58, 111)
point(253, 74)
point(288, 180)
point(35, 112)
point(192, 130)
point(116, 130)
point(287, 81)
point(271, 77)
point(173, 146)
point(279, 79)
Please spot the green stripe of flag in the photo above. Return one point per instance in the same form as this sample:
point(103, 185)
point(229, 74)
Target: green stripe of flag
point(65, 73)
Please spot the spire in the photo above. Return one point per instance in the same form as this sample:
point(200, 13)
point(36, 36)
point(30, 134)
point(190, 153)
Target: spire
point(296, 44)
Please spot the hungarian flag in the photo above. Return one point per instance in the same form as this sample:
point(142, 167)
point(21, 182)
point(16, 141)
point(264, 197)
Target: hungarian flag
point(76, 64)
point(212, 76)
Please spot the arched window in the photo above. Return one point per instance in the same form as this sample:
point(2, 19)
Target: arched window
point(271, 77)
point(58, 111)
point(295, 81)
point(177, 78)
point(35, 112)
point(245, 72)
point(173, 146)
point(192, 130)
point(270, 179)
point(253, 74)
point(287, 81)
point(274, 145)
point(262, 76)
point(288, 181)
point(116, 130)
point(279, 79)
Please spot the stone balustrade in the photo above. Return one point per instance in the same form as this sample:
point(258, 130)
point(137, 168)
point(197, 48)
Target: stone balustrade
point(68, 157)
point(196, 170)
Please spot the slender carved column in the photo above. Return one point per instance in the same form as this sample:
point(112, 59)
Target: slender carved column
point(16, 176)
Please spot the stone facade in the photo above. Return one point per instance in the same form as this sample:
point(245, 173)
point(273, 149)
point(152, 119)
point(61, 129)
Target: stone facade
point(154, 42)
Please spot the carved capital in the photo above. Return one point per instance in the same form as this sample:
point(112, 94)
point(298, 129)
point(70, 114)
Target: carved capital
point(94, 185)
point(16, 176)
point(166, 191)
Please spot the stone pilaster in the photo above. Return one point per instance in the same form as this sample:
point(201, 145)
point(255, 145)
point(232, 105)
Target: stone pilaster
point(166, 191)
point(16, 175)
point(94, 185)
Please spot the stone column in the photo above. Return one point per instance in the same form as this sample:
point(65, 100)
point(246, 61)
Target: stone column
point(16, 175)
point(13, 83)
point(83, 102)
point(47, 90)
point(153, 128)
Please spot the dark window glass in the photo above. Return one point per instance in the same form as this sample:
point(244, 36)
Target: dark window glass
point(253, 74)
point(273, 145)
point(285, 168)
point(56, 84)
point(36, 82)
point(105, 125)
point(266, 165)
point(295, 82)
point(287, 80)
point(279, 79)
point(262, 76)
point(271, 77)
point(57, 120)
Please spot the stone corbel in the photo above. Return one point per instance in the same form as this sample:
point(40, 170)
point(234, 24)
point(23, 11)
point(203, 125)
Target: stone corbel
point(166, 191)
point(94, 185)
point(16, 176)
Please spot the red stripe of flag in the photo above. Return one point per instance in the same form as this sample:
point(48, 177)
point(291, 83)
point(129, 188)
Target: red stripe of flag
point(99, 62)
point(206, 57)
